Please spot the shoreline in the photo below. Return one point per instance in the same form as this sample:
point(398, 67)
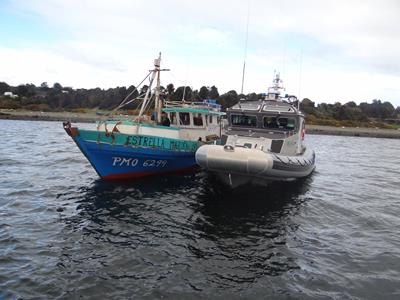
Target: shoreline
point(49, 116)
point(92, 117)
point(353, 131)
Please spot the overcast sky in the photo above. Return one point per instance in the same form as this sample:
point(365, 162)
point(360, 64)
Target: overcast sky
point(346, 50)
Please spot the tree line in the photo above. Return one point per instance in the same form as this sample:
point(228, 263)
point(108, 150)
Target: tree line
point(350, 113)
point(57, 97)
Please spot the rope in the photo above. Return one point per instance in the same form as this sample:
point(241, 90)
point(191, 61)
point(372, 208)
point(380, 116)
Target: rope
point(122, 104)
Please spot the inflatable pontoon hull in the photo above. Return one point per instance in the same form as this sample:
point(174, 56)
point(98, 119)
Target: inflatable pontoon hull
point(238, 165)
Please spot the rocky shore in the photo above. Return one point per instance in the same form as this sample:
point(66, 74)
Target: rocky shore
point(89, 117)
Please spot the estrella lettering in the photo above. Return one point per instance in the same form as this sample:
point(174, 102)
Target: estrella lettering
point(163, 143)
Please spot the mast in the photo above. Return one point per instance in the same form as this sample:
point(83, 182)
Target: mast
point(274, 91)
point(158, 104)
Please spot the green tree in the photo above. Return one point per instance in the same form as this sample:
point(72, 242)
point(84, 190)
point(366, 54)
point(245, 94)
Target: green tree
point(4, 87)
point(170, 91)
point(178, 94)
point(144, 89)
point(44, 87)
point(57, 87)
point(387, 110)
point(228, 99)
point(195, 96)
point(26, 90)
point(351, 104)
point(377, 109)
point(337, 111)
point(131, 89)
point(307, 106)
point(213, 93)
point(252, 97)
point(348, 112)
point(204, 93)
point(397, 111)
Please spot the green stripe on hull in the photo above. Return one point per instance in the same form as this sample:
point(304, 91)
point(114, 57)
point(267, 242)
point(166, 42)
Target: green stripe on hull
point(139, 140)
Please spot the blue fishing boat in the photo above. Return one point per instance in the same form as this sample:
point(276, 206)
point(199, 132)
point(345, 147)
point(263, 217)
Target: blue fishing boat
point(144, 145)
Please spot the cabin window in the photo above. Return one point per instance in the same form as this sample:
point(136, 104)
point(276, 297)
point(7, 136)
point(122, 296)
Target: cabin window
point(172, 117)
point(291, 124)
point(210, 119)
point(279, 123)
point(197, 119)
point(184, 118)
point(244, 120)
point(270, 122)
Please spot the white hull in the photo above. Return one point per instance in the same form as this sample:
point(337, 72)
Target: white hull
point(239, 166)
point(263, 142)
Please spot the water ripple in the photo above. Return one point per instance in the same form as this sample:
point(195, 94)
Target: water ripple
point(66, 234)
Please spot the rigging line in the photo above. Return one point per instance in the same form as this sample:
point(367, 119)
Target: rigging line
point(146, 97)
point(130, 101)
point(148, 108)
point(130, 94)
point(152, 95)
point(245, 46)
point(136, 106)
point(180, 81)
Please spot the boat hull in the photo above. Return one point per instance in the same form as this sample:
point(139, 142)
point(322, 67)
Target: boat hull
point(239, 166)
point(121, 156)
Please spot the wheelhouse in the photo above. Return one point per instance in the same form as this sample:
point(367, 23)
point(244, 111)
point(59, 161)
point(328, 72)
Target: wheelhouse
point(192, 117)
point(273, 116)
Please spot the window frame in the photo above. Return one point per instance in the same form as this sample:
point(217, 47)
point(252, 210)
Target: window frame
point(200, 118)
point(172, 119)
point(244, 125)
point(277, 123)
point(190, 118)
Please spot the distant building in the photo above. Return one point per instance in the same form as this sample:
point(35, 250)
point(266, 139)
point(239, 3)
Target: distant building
point(10, 94)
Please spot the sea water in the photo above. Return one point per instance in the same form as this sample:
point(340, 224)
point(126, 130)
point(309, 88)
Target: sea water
point(66, 234)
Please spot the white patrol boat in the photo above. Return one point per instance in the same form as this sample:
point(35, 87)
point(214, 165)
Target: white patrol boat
point(263, 142)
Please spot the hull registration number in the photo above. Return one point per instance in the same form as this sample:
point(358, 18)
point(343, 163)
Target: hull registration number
point(118, 161)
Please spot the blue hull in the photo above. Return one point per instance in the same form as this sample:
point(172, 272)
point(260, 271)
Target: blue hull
point(113, 161)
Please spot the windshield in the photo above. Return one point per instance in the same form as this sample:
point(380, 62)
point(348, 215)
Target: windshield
point(280, 123)
point(244, 120)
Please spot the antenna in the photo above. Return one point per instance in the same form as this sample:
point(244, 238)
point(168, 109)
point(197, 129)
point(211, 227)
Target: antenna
point(284, 59)
point(184, 87)
point(245, 46)
point(300, 73)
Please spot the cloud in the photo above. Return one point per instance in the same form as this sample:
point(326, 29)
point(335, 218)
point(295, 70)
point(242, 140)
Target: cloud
point(103, 43)
point(36, 66)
